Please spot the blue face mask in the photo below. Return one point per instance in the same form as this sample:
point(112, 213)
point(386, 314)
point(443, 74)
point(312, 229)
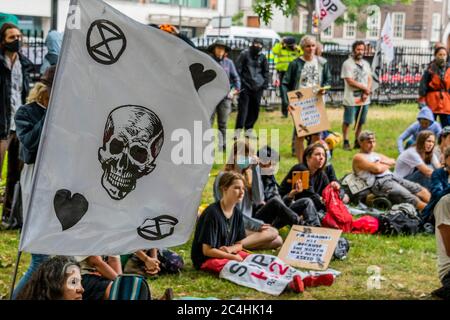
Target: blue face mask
point(243, 162)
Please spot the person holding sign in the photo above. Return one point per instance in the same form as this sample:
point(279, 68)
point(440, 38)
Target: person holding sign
point(305, 72)
point(304, 197)
point(357, 77)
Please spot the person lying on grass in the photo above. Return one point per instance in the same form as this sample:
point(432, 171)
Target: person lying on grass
point(308, 202)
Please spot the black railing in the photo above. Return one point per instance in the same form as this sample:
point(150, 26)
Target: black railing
point(34, 49)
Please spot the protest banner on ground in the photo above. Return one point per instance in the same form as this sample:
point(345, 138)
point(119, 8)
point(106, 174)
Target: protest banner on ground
point(104, 181)
point(309, 113)
point(309, 247)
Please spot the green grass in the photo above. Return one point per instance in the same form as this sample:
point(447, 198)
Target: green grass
point(408, 263)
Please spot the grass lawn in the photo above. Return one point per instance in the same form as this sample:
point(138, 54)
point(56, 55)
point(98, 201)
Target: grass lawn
point(408, 263)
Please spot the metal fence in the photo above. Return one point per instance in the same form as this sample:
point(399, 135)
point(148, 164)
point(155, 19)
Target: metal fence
point(399, 79)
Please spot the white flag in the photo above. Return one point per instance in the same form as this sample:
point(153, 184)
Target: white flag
point(105, 180)
point(330, 10)
point(387, 47)
point(384, 47)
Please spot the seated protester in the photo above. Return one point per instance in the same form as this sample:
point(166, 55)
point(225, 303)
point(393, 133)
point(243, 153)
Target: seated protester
point(442, 231)
point(417, 163)
point(258, 215)
point(425, 121)
point(152, 262)
point(373, 168)
point(440, 186)
point(29, 121)
point(220, 231)
point(57, 278)
point(268, 160)
point(443, 143)
point(98, 274)
point(329, 169)
point(308, 203)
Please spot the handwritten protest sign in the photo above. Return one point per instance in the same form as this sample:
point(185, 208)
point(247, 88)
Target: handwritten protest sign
point(309, 247)
point(309, 113)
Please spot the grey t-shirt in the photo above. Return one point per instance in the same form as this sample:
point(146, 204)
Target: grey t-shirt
point(358, 71)
point(16, 88)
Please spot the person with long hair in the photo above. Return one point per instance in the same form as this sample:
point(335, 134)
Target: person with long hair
point(417, 163)
point(433, 90)
point(308, 202)
point(29, 123)
point(261, 219)
point(58, 278)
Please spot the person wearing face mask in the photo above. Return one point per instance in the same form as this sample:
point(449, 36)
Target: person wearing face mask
point(357, 77)
point(435, 85)
point(14, 87)
point(29, 120)
point(218, 51)
point(253, 69)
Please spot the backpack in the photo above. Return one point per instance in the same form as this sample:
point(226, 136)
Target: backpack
point(398, 223)
point(337, 216)
point(130, 287)
point(170, 262)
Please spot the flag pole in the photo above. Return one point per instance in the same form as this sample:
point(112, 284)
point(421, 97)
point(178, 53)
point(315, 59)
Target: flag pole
point(14, 276)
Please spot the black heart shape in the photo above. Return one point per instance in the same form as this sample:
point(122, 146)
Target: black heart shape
point(200, 76)
point(69, 210)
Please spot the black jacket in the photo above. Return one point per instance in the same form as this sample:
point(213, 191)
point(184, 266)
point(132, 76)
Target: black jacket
point(317, 184)
point(29, 122)
point(5, 91)
point(254, 71)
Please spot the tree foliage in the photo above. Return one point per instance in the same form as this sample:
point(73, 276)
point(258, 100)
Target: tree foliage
point(264, 8)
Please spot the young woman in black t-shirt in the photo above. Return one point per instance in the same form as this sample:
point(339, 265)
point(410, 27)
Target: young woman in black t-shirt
point(220, 233)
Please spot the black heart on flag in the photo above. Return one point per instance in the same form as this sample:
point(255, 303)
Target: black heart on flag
point(157, 228)
point(200, 76)
point(69, 209)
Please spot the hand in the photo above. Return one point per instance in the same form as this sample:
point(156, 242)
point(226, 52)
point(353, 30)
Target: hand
point(264, 227)
point(322, 91)
point(297, 189)
point(226, 249)
point(238, 258)
point(291, 109)
point(364, 97)
point(151, 265)
point(335, 185)
point(367, 91)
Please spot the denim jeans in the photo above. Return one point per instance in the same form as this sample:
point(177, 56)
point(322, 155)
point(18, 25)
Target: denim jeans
point(36, 261)
point(420, 178)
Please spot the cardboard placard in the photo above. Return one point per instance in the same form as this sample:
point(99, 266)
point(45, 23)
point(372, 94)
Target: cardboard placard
point(303, 175)
point(309, 247)
point(309, 113)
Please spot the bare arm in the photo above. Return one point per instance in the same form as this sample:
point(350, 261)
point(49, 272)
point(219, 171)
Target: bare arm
point(361, 163)
point(444, 229)
point(355, 84)
point(151, 262)
point(217, 253)
point(114, 263)
point(102, 267)
point(424, 169)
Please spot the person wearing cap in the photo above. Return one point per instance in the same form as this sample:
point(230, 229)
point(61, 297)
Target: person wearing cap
point(29, 120)
point(218, 51)
point(15, 69)
point(253, 69)
point(433, 88)
point(285, 52)
point(374, 169)
point(425, 121)
point(305, 72)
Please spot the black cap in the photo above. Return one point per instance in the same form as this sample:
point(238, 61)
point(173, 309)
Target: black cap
point(289, 41)
point(257, 40)
point(219, 43)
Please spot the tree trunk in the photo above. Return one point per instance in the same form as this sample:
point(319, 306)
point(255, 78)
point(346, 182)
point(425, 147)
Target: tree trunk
point(310, 16)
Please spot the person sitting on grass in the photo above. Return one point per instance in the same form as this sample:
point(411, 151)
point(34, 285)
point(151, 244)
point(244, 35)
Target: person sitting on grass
point(417, 163)
point(261, 219)
point(57, 278)
point(425, 121)
point(443, 143)
point(441, 211)
point(98, 274)
point(373, 168)
point(220, 234)
point(308, 203)
point(268, 160)
point(153, 262)
point(440, 186)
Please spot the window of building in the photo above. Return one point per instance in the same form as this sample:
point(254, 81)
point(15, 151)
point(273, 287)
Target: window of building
point(303, 22)
point(374, 25)
point(185, 3)
point(349, 29)
point(398, 24)
point(436, 27)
